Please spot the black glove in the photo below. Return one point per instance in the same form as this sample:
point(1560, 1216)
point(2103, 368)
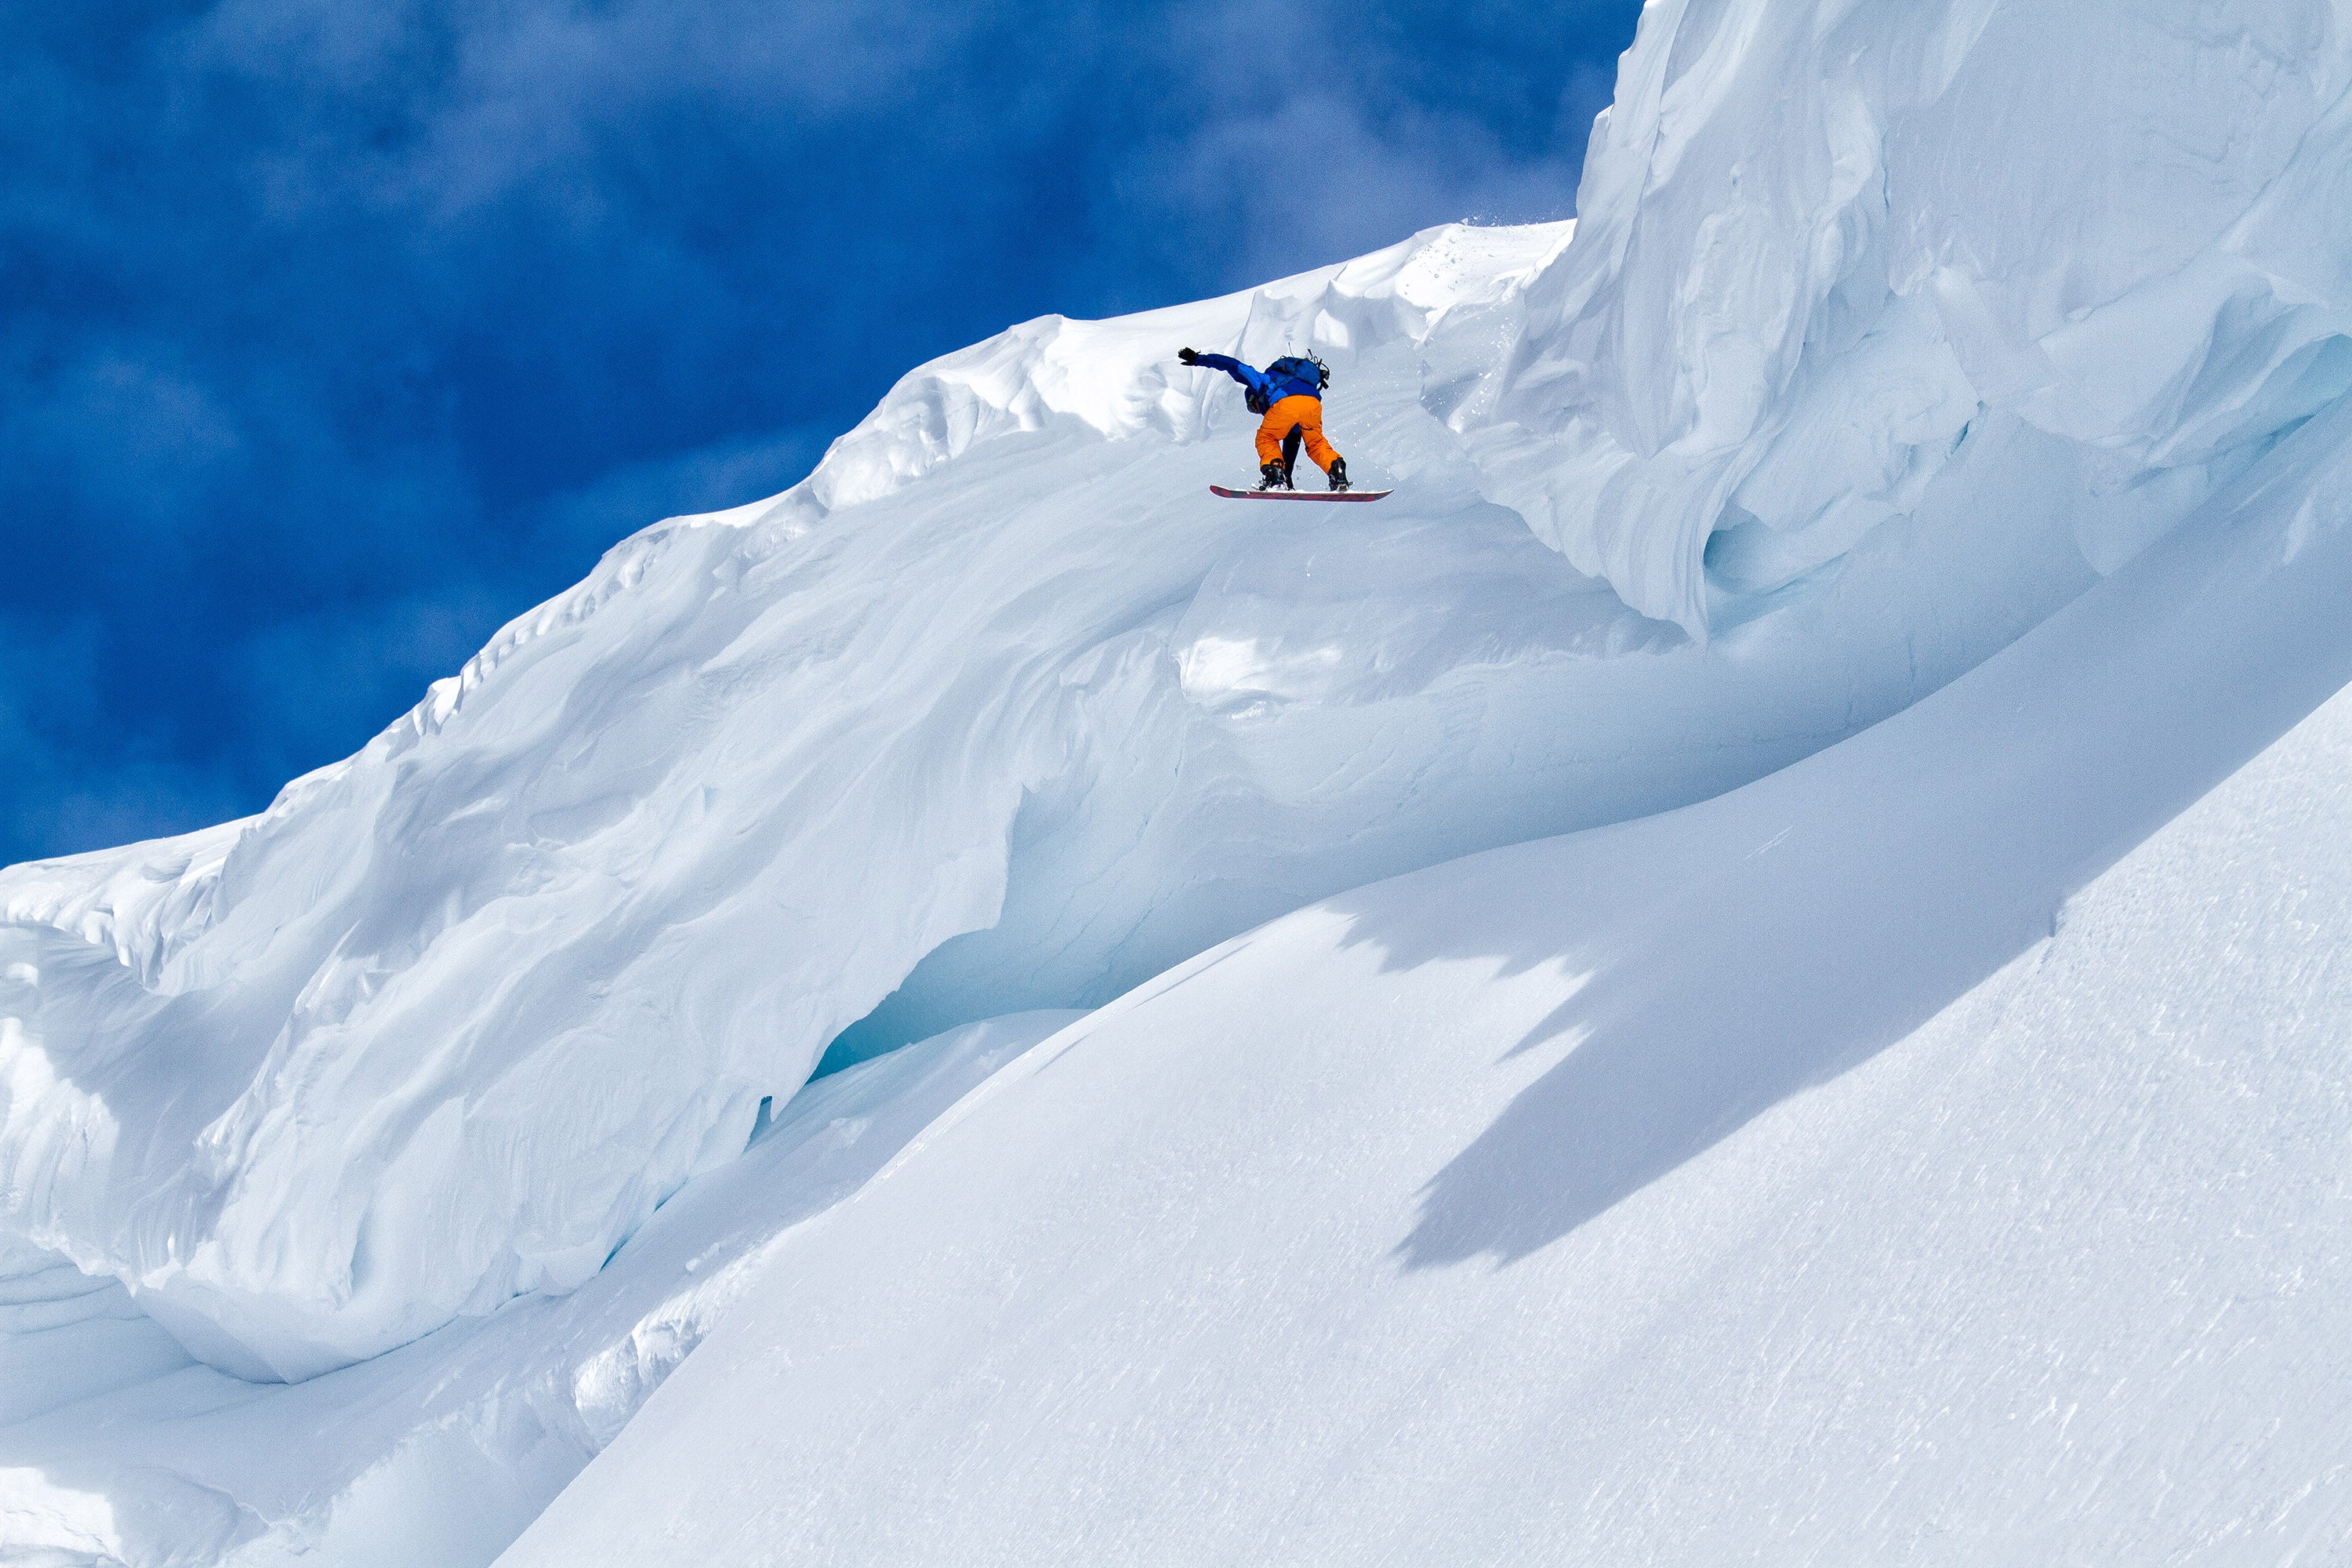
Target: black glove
point(1186, 357)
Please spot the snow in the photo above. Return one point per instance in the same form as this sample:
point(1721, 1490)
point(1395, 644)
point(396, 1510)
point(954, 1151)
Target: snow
point(1803, 1123)
point(1851, 1168)
point(115, 1445)
point(1821, 240)
point(454, 1017)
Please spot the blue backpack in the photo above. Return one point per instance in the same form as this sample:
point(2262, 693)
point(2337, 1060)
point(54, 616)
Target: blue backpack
point(1305, 369)
point(1302, 367)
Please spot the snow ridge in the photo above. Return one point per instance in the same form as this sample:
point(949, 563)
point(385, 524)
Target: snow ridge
point(592, 883)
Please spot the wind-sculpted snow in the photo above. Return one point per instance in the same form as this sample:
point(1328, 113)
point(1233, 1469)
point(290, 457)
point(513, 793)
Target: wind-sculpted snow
point(114, 1449)
point(1820, 241)
point(445, 1024)
point(997, 710)
point(1927, 1155)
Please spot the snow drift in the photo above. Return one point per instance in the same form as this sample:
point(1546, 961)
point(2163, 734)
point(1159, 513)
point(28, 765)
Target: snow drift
point(116, 1449)
point(1881, 336)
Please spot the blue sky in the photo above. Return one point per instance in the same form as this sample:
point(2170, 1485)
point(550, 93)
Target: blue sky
point(335, 332)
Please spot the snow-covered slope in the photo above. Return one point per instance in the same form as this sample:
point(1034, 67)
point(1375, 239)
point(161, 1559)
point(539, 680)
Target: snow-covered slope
point(115, 1447)
point(1886, 332)
point(451, 1019)
point(1807, 1175)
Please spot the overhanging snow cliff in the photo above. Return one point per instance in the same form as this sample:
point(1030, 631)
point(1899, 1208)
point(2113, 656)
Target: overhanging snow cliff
point(1820, 243)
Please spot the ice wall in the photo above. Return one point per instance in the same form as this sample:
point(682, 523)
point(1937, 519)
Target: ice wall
point(1819, 240)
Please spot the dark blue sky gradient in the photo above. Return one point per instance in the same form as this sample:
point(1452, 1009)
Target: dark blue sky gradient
point(335, 332)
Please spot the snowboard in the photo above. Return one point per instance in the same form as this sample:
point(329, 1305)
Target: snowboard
point(1297, 494)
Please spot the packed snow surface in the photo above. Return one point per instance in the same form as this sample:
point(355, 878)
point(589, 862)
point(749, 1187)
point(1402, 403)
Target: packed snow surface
point(1885, 335)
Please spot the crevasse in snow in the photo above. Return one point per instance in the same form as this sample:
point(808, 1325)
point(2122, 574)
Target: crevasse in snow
point(1847, 367)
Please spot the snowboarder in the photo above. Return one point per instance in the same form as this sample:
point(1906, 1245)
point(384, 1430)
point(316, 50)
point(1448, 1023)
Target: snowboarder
point(1289, 393)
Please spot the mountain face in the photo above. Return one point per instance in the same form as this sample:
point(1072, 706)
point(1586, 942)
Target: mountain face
point(1886, 340)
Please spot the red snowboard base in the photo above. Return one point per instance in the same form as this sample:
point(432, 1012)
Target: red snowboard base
point(1297, 494)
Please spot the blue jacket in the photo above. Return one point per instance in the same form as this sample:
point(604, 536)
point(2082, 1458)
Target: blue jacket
point(1273, 389)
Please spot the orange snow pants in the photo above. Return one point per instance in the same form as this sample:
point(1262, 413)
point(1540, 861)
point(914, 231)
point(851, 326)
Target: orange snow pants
point(1304, 414)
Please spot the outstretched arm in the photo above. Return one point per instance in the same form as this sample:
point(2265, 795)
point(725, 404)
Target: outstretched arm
point(1249, 378)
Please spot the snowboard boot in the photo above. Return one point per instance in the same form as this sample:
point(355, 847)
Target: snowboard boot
point(1339, 473)
point(1273, 476)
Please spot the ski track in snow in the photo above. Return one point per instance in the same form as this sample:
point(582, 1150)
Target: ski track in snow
point(1957, 391)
